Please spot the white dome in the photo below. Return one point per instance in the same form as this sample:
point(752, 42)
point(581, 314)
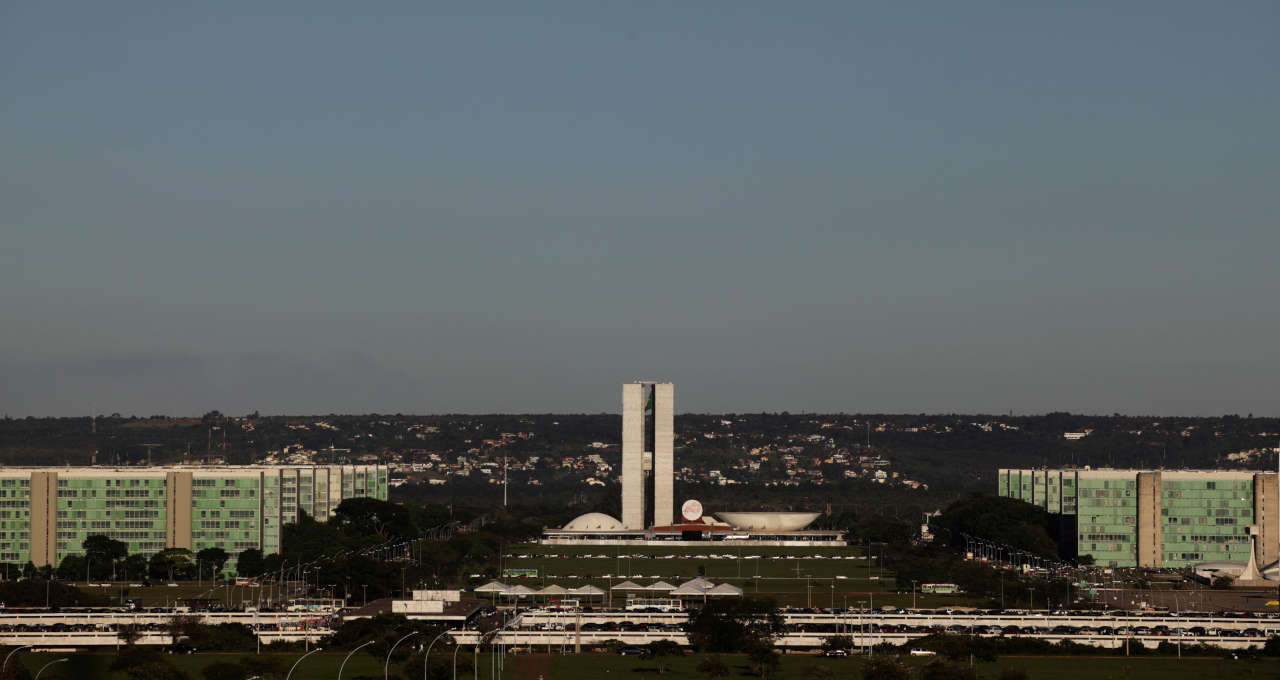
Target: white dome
point(593, 521)
point(768, 521)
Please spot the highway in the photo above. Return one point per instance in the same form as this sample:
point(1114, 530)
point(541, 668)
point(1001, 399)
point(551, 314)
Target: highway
point(808, 630)
point(566, 630)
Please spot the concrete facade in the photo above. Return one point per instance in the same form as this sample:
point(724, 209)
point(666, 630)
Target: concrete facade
point(1158, 518)
point(664, 501)
point(47, 513)
point(633, 456)
point(1149, 524)
point(1266, 503)
point(636, 424)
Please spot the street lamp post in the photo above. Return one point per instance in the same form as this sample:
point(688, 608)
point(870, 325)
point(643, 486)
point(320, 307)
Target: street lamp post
point(862, 635)
point(348, 656)
point(426, 657)
point(913, 594)
point(48, 665)
point(479, 644)
point(385, 664)
point(295, 663)
point(11, 653)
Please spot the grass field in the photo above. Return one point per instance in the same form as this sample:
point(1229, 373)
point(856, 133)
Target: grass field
point(164, 595)
point(324, 665)
point(1037, 668)
point(804, 576)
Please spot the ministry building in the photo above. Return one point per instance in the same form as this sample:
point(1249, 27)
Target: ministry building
point(1157, 518)
point(47, 512)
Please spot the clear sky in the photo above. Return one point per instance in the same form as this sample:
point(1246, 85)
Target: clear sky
point(427, 207)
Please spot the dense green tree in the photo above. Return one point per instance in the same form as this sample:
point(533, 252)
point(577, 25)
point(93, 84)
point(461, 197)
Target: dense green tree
point(212, 560)
point(250, 563)
point(659, 650)
point(763, 656)
point(372, 517)
point(134, 567)
point(1002, 520)
point(730, 625)
point(72, 568)
point(103, 553)
point(172, 563)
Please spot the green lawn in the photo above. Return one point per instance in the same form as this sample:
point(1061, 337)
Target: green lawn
point(321, 665)
point(164, 595)
point(799, 581)
point(324, 665)
point(800, 667)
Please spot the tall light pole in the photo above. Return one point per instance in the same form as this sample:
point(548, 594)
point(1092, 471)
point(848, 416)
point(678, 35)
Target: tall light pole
point(387, 663)
point(479, 644)
point(426, 657)
point(348, 656)
point(11, 653)
point(862, 637)
point(913, 594)
point(48, 665)
point(295, 663)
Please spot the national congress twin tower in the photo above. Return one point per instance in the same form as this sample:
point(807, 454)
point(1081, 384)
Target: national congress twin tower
point(46, 513)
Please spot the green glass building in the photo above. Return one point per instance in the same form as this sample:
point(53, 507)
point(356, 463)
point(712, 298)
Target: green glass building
point(1157, 518)
point(47, 513)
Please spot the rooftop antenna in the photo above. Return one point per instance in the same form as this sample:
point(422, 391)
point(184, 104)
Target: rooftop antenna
point(149, 447)
point(504, 479)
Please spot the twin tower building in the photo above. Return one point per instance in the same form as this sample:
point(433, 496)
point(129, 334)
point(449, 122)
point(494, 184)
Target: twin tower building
point(648, 457)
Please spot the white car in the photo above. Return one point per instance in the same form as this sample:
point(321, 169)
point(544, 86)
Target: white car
point(923, 652)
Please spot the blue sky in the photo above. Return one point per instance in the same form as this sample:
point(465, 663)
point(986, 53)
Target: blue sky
point(480, 207)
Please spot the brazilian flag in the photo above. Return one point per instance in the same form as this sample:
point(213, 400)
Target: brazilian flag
point(649, 405)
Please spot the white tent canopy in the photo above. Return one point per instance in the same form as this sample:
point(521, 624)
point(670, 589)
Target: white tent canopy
point(690, 589)
point(628, 585)
point(517, 591)
point(725, 589)
point(660, 585)
point(552, 590)
point(492, 587)
point(586, 590)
